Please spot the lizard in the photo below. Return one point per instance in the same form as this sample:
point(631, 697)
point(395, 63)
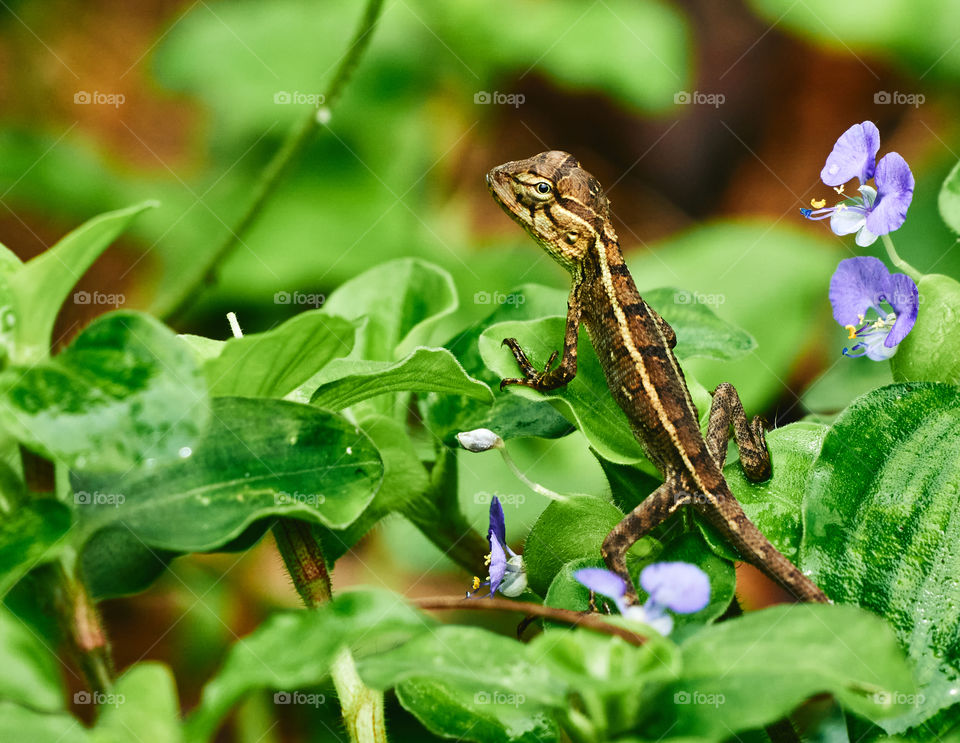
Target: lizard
point(565, 210)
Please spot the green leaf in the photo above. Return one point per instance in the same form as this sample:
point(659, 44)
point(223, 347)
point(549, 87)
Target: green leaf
point(571, 530)
point(404, 480)
point(747, 672)
point(949, 199)
point(31, 673)
point(22, 723)
point(30, 536)
point(402, 302)
point(257, 458)
point(292, 650)
point(273, 363)
point(450, 712)
point(42, 284)
point(931, 352)
point(424, 370)
point(609, 678)
point(126, 391)
point(586, 400)
point(116, 562)
point(700, 331)
point(881, 525)
point(844, 382)
point(775, 505)
point(470, 660)
point(143, 700)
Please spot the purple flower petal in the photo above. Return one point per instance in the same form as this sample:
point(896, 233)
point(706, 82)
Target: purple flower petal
point(853, 155)
point(894, 194)
point(602, 581)
point(904, 297)
point(679, 586)
point(498, 563)
point(498, 526)
point(856, 286)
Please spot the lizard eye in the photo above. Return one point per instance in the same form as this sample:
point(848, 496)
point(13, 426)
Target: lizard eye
point(543, 187)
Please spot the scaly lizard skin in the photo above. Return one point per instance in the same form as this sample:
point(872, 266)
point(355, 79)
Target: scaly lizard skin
point(564, 209)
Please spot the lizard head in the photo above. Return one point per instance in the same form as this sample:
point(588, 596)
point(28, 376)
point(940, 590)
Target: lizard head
point(559, 203)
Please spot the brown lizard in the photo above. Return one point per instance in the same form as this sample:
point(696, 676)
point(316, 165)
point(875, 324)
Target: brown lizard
point(565, 210)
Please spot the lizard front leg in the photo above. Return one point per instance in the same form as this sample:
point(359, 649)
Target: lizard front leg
point(550, 379)
point(727, 410)
point(652, 511)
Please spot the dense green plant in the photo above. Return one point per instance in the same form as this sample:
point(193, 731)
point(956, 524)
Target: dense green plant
point(134, 445)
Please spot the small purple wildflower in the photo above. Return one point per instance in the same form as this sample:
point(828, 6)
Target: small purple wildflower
point(507, 574)
point(679, 586)
point(877, 211)
point(862, 284)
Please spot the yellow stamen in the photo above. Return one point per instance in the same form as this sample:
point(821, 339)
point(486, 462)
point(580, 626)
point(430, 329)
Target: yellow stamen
point(818, 203)
point(838, 189)
point(486, 560)
point(852, 330)
point(476, 583)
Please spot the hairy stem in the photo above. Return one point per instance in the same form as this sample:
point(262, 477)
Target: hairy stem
point(297, 139)
point(361, 707)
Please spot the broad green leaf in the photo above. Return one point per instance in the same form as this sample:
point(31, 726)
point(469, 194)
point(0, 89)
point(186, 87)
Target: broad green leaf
point(747, 672)
point(126, 391)
point(931, 352)
point(258, 458)
point(775, 505)
point(402, 302)
point(273, 363)
point(42, 284)
point(448, 711)
point(30, 536)
point(586, 400)
point(9, 262)
point(719, 263)
point(22, 723)
point(116, 562)
point(294, 649)
point(570, 530)
point(469, 660)
point(31, 673)
point(424, 370)
point(142, 706)
point(881, 525)
point(949, 200)
point(700, 331)
point(404, 480)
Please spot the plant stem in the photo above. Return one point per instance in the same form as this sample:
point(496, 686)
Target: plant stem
point(76, 612)
point(297, 139)
point(896, 260)
point(587, 620)
point(438, 516)
point(361, 707)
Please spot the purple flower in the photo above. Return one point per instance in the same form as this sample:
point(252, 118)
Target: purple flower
point(877, 211)
point(678, 586)
point(862, 284)
point(507, 574)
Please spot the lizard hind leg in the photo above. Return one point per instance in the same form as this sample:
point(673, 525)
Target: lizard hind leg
point(652, 511)
point(727, 411)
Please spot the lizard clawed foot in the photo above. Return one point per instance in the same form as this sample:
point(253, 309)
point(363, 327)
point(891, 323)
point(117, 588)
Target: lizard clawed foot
point(531, 377)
